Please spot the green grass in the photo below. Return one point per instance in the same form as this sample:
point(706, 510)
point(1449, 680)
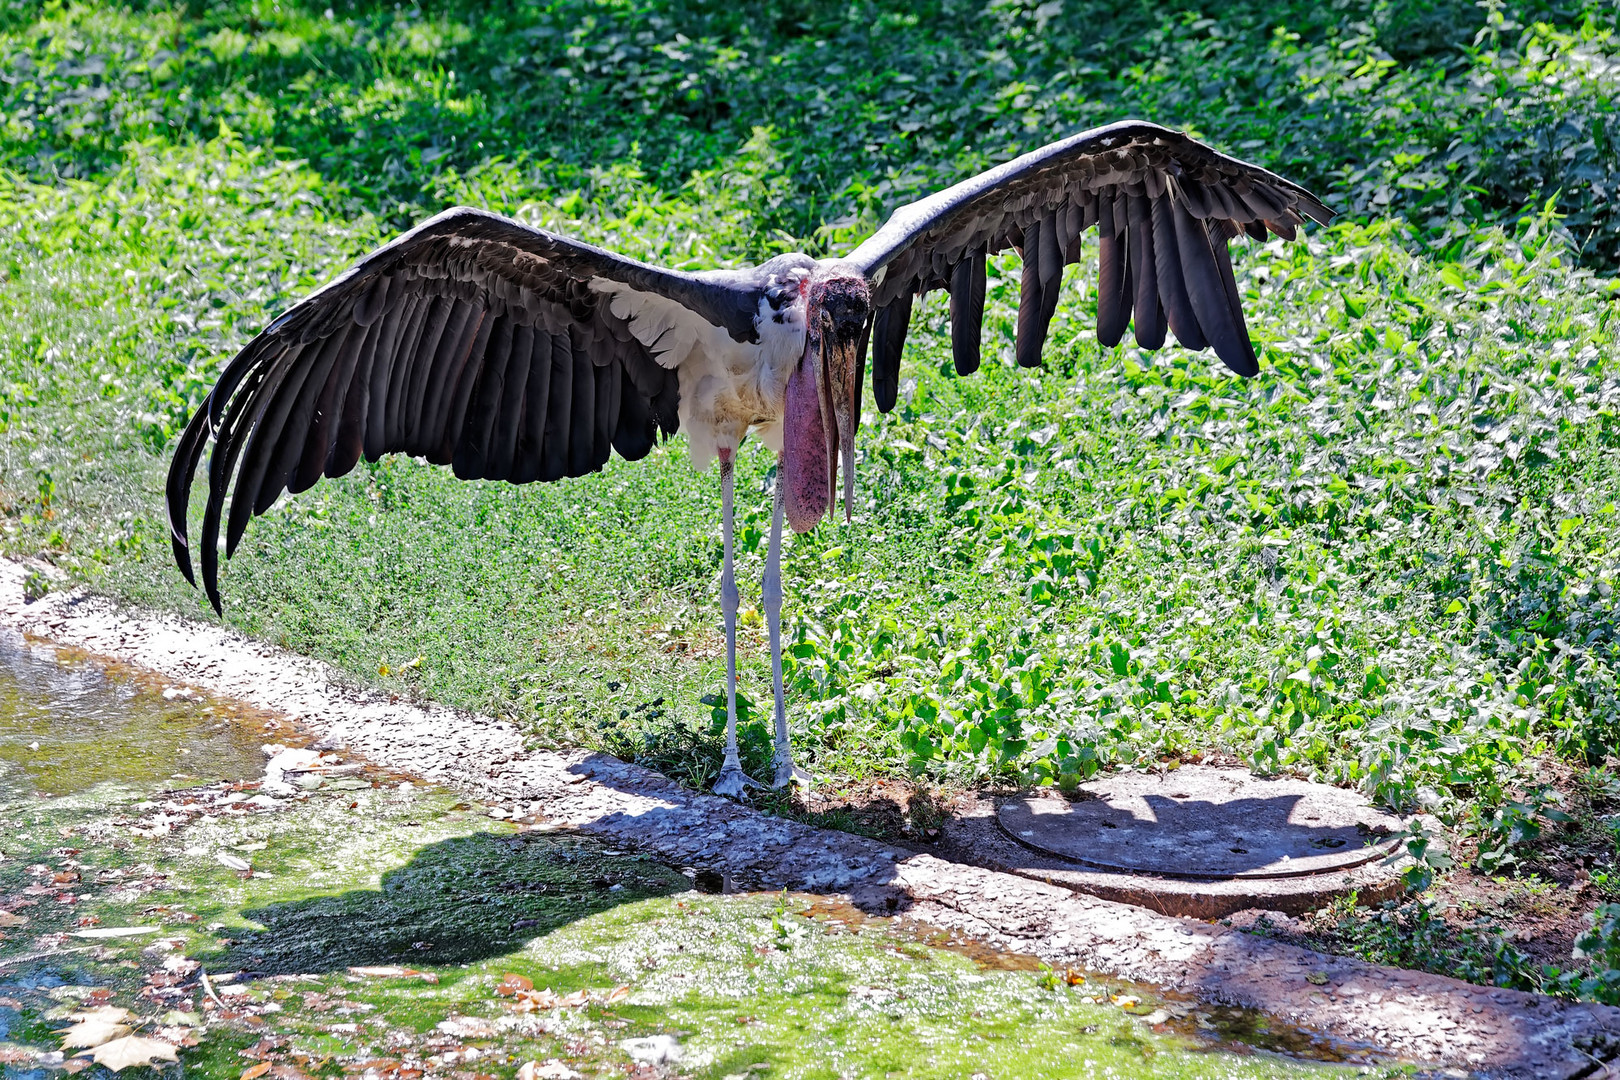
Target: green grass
point(1387, 562)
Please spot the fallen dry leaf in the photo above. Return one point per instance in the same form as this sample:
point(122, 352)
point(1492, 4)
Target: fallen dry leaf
point(11, 918)
point(91, 1033)
point(131, 1050)
point(512, 984)
point(394, 971)
point(256, 1071)
point(116, 931)
point(225, 858)
point(530, 1000)
point(97, 1026)
point(108, 1014)
point(576, 999)
point(619, 994)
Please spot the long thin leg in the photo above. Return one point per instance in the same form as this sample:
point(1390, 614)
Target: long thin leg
point(786, 772)
point(731, 781)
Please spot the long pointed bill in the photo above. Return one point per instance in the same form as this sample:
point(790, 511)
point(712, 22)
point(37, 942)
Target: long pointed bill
point(844, 403)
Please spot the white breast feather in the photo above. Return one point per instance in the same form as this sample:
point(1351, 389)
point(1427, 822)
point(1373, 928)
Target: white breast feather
point(727, 386)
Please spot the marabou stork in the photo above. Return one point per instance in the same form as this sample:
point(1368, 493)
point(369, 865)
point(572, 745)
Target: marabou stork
point(510, 353)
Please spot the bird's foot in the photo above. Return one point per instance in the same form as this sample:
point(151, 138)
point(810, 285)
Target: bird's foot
point(789, 773)
point(732, 782)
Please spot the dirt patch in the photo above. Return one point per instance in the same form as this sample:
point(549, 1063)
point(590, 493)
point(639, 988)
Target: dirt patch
point(1414, 1016)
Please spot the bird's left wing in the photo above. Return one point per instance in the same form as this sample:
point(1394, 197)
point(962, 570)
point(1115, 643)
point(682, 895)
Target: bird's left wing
point(1164, 204)
point(472, 340)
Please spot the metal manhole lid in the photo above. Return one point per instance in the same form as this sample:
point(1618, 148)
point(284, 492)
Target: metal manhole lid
point(1205, 822)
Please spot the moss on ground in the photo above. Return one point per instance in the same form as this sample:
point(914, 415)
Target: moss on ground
point(392, 932)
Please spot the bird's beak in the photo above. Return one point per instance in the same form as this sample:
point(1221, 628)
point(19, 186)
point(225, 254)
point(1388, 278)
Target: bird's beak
point(840, 406)
point(846, 402)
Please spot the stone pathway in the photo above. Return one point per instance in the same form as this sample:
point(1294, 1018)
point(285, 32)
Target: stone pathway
point(1423, 1018)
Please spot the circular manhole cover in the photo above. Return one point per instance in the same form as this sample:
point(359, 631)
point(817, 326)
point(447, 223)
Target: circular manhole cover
point(1205, 822)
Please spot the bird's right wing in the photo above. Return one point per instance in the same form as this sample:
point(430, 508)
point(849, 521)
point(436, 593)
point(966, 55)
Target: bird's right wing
point(474, 341)
point(1164, 204)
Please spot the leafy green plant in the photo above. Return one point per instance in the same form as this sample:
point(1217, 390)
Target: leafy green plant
point(1417, 934)
point(1515, 825)
point(1600, 947)
point(1428, 856)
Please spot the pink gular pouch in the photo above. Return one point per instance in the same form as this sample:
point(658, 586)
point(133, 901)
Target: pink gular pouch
point(808, 437)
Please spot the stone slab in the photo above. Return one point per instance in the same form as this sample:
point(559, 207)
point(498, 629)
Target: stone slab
point(974, 835)
point(1204, 822)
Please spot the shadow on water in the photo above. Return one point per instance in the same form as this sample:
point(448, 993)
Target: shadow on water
point(460, 900)
point(68, 723)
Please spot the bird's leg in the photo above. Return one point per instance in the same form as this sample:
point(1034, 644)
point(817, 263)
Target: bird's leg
point(732, 781)
point(786, 772)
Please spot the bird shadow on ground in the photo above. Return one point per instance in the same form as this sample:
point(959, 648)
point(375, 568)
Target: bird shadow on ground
point(1181, 836)
point(896, 811)
point(457, 901)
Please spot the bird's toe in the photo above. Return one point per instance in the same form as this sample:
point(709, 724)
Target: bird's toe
point(789, 773)
point(732, 782)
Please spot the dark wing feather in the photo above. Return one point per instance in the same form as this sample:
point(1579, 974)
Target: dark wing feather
point(1113, 289)
point(472, 340)
point(582, 416)
point(328, 410)
point(1136, 182)
point(967, 312)
point(888, 340)
point(477, 438)
point(1178, 309)
point(1219, 316)
point(559, 408)
point(532, 428)
point(427, 396)
point(1150, 324)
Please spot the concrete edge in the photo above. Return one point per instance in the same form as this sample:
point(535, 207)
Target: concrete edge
point(1416, 1016)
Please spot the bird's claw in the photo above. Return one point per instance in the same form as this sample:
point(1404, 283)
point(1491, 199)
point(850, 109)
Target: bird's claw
point(789, 773)
point(732, 782)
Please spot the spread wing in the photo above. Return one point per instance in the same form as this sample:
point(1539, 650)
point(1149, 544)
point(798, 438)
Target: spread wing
point(1164, 205)
point(473, 341)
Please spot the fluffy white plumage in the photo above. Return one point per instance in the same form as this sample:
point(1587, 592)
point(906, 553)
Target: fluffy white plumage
point(728, 387)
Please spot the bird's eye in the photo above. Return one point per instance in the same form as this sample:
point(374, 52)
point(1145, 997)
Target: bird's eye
point(777, 295)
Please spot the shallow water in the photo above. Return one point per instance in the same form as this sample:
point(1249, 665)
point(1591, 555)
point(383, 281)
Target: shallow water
point(68, 724)
point(152, 817)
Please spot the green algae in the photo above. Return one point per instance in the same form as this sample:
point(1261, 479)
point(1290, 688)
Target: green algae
point(442, 906)
point(68, 724)
point(385, 929)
